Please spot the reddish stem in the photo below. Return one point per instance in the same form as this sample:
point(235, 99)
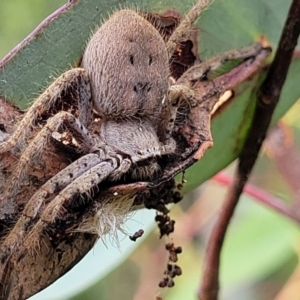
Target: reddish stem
point(262, 197)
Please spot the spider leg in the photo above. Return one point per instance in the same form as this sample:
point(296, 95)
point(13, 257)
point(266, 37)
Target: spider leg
point(75, 78)
point(43, 196)
point(75, 180)
point(83, 186)
point(58, 182)
point(204, 69)
point(183, 88)
point(182, 32)
point(80, 186)
point(33, 151)
point(39, 200)
point(31, 238)
point(176, 93)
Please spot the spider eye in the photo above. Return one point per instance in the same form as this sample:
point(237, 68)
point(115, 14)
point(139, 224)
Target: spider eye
point(150, 60)
point(131, 59)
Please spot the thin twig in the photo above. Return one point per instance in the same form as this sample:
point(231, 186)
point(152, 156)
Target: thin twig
point(268, 97)
point(263, 197)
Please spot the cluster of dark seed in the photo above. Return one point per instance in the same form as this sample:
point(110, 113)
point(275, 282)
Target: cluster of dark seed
point(137, 235)
point(158, 199)
point(165, 224)
point(172, 270)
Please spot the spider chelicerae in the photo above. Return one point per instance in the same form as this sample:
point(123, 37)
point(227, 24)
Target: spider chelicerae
point(125, 81)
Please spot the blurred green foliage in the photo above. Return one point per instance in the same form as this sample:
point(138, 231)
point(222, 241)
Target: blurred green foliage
point(18, 18)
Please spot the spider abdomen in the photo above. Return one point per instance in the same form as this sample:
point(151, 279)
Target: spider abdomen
point(127, 63)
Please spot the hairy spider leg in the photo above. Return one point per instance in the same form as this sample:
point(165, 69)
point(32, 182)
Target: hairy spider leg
point(87, 172)
point(83, 185)
point(202, 71)
point(42, 197)
point(183, 30)
point(80, 186)
point(35, 236)
point(33, 151)
point(76, 78)
point(178, 93)
point(182, 89)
